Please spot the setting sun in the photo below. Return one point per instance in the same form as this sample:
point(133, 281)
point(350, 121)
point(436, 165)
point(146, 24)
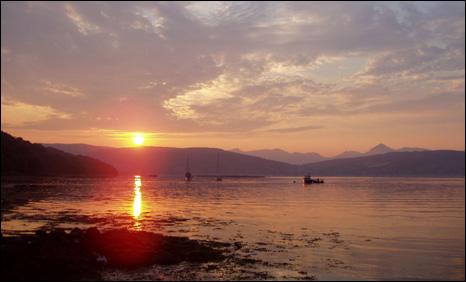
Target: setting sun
point(138, 139)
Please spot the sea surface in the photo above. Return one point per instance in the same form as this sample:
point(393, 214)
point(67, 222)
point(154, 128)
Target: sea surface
point(350, 228)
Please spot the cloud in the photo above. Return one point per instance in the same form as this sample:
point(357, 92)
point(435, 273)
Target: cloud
point(228, 66)
point(60, 89)
point(154, 22)
point(202, 94)
point(84, 26)
point(294, 129)
point(19, 114)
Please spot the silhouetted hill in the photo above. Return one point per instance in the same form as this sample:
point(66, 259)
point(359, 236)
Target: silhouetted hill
point(348, 154)
point(305, 158)
point(172, 161)
point(20, 157)
point(284, 156)
point(441, 163)
point(376, 150)
point(379, 149)
point(411, 149)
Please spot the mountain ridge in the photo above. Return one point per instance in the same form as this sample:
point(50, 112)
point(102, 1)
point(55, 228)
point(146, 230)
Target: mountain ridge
point(172, 161)
point(311, 157)
point(438, 163)
point(169, 160)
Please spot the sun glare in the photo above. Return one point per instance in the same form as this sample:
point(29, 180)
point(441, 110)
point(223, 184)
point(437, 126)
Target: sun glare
point(138, 140)
point(137, 197)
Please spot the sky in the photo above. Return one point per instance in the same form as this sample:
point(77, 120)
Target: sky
point(301, 76)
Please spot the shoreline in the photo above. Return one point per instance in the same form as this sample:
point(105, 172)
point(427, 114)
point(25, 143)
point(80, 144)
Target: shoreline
point(121, 254)
point(85, 254)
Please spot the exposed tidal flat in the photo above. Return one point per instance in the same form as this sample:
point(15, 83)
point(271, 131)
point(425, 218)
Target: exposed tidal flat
point(145, 228)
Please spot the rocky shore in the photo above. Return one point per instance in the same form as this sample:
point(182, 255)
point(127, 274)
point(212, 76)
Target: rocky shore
point(84, 254)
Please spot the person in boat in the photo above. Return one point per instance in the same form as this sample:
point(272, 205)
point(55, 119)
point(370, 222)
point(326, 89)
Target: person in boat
point(307, 179)
point(188, 176)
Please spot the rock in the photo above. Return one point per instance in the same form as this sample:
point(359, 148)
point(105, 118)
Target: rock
point(40, 233)
point(81, 255)
point(102, 260)
point(92, 233)
point(76, 232)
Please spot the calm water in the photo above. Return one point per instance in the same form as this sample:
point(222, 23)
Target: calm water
point(348, 228)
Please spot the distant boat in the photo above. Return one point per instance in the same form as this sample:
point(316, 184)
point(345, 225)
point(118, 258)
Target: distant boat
point(218, 167)
point(188, 176)
point(309, 180)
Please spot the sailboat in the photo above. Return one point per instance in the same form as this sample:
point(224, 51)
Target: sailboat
point(218, 167)
point(188, 176)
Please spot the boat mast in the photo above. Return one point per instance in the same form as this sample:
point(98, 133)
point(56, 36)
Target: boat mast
point(218, 164)
point(188, 175)
point(218, 167)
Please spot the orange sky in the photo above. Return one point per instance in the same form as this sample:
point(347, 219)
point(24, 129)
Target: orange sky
point(249, 75)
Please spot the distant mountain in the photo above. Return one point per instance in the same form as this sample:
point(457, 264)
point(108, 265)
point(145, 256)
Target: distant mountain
point(283, 156)
point(377, 150)
point(172, 161)
point(422, 163)
point(303, 158)
point(348, 154)
point(411, 149)
point(20, 157)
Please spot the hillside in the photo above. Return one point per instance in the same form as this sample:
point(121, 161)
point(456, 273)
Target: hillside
point(20, 157)
point(284, 156)
point(312, 157)
point(441, 163)
point(172, 161)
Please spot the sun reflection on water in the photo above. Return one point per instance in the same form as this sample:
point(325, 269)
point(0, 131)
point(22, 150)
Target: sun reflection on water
point(137, 202)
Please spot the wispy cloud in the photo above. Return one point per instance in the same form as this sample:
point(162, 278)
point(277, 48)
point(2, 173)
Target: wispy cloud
point(84, 26)
point(60, 89)
point(202, 94)
point(18, 114)
point(294, 129)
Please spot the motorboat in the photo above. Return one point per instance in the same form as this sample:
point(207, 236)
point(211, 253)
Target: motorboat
point(309, 180)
